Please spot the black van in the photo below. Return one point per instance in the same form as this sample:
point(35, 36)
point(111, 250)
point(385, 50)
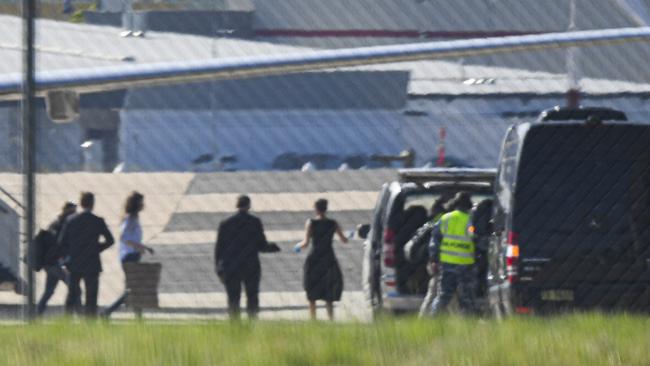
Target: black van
point(390, 282)
point(572, 215)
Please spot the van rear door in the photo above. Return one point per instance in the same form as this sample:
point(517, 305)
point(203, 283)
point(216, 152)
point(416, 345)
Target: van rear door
point(582, 215)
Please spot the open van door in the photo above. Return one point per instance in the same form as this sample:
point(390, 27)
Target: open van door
point(9, 247)
point(451, 175)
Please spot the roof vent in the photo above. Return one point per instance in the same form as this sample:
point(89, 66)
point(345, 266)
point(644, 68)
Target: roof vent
point(480, 81)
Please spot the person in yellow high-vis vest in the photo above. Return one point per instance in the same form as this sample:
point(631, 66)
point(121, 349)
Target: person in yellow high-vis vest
point(452, 251)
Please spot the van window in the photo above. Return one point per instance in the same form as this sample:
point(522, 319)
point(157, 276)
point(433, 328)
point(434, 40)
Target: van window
point(427, 199)
point(506, 177)
point(424, 199)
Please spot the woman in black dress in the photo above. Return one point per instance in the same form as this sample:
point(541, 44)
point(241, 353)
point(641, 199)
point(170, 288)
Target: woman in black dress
point(323, 279)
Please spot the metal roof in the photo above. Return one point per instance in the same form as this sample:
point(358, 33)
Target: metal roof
point(347, 90)
point(63, 45)
point(450, 16)
point(456, 78)
point(341, 23)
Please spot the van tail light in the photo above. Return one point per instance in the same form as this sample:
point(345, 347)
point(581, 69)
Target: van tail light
point(523, 310)
point(389, 248)
point(512, 257)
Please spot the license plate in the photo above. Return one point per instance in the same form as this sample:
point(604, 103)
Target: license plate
point(557, 295)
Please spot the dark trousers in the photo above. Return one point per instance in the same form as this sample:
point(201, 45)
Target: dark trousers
point(454, 277)
point(250, 276)
point(91, 282)
point(54, 274)
point(129, 258)
point(482, 271)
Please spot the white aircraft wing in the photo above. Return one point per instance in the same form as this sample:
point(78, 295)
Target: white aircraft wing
point(128, 76)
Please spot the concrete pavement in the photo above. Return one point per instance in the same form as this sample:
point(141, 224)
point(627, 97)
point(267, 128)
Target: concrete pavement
point(180, 220)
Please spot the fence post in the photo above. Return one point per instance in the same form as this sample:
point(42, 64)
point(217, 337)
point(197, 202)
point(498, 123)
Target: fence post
point(29, 139)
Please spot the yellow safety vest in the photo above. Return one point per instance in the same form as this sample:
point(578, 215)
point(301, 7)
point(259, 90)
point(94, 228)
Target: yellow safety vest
point(457, 245)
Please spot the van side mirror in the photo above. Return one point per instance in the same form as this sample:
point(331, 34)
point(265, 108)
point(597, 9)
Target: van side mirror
point(363, 230)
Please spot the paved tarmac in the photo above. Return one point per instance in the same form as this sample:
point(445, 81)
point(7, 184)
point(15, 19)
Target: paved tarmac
point(180, 220)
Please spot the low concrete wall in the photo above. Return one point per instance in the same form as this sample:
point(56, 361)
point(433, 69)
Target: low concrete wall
point(103, 18)
point(199, 22)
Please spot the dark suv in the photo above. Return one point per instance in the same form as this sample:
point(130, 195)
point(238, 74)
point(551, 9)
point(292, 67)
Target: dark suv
point(572, 215)
point(390, 282)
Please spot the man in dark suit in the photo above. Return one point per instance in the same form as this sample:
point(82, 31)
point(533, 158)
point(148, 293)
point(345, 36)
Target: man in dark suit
point(79, 240)
point(239, 241)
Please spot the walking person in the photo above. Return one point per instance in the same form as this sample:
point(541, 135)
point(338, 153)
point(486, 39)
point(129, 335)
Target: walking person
point(79, 239)
point(323, 279)
point(53, 258)
point(452, 253)
point(131, 247)
point(240, 239)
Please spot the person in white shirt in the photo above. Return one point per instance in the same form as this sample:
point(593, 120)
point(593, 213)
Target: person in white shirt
point(131, 247)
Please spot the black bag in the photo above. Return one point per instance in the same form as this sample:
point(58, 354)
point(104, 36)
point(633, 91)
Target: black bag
point(416, 250)
point(270, 248)
point(43, 242)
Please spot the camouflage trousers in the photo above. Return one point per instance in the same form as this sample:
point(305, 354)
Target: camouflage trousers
point(456, 277)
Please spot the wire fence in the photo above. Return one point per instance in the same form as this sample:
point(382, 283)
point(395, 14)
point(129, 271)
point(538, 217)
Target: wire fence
point(571, 202)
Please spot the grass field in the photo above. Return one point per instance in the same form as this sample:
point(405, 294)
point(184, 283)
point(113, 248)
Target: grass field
point(567, 340)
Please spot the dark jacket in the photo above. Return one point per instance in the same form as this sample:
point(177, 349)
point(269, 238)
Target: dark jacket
point(239, 242)
point(482, 221)
point(56, 225)
point(79, 240)
point(416, 250)
point(54, 252)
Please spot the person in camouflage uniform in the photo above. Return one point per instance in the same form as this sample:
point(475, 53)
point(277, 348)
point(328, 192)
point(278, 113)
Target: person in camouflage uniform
point(452, 253)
